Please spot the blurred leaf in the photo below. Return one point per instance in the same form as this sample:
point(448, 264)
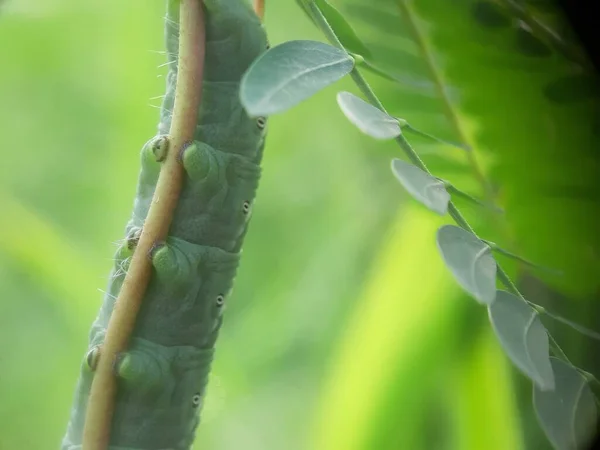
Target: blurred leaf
point(413, 130)
point(496, 248)
point(395, 342)
point(423, 187)
point(367, 118)
point(342, 28)
point(568, 414)
point(482, 400)
point(470, 261)
point(490, 15)
point(289, 73)
point(453, 190)
point(52, 258)
point(523, 337)
point(572, 89)
point(530, 45)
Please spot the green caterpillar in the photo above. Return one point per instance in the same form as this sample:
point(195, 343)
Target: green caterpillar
point(163, 375)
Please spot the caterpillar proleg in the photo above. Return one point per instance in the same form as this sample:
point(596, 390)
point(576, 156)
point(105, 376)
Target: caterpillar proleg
point(162, 376)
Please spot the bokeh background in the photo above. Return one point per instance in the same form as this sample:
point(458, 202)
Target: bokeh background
point(345, 330)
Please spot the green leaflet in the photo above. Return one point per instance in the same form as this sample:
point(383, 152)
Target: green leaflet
point(423, 187)
point(470, 261)
point(163, 374)
point(568, 414)
point(523, 337)
point(290, 73)
point(368, 119)
point(377, 124)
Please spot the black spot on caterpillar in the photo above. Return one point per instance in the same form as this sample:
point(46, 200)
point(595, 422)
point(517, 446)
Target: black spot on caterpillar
point(163, 374)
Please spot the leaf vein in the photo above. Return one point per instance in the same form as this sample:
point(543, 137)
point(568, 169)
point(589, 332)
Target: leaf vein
point(281, 86)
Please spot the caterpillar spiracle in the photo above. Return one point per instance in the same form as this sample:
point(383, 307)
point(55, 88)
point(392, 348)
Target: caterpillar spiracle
point(163, 375)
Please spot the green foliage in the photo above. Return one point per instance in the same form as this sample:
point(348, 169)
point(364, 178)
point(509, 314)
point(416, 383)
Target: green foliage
point(536, 153)
point(531, 46)
point(537, 148)
point(291, 72)
point(470, 260)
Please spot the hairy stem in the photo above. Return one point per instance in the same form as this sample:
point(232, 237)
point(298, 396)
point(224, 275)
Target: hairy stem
point(187, 100)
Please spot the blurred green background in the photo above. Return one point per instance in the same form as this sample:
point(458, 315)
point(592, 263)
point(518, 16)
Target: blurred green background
point(345, 331)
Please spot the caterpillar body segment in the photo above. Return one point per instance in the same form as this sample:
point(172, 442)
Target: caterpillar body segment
point(162, 376)
point(166, 384)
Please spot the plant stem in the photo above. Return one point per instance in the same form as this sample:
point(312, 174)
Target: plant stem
point(98, 420)
point(259, 8)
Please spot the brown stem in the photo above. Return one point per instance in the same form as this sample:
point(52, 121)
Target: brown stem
point(96, 435)
point(259, 8)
